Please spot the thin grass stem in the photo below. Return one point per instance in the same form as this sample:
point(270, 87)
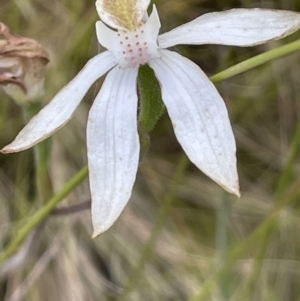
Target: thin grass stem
point(41, 214)
point(287, 173)
point(223, 220)
point(42, 151)
point(256, 61)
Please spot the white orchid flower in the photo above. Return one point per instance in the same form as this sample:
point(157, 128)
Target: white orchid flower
point(197, 111)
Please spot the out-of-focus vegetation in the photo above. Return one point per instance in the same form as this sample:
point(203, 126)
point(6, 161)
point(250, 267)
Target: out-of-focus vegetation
point(177, 239)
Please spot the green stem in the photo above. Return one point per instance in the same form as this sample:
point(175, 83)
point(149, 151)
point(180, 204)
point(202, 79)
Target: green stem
point(223, 220)
point(42, 153)
point(41, 214)
point(168, 200)
point(256, 61)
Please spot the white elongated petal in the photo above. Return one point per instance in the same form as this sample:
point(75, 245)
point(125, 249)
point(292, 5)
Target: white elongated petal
point(122, 14)
point(199, 118)
point(59, 111)
point(240, 27)
point(113, 146)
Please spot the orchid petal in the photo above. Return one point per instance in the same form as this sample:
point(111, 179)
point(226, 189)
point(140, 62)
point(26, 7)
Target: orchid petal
point(59, 111)
point(199, 118)
point(113, 146)
point(239, 27)
point(122, 14)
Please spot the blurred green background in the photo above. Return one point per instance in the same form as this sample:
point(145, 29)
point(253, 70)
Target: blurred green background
point(177, 239)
